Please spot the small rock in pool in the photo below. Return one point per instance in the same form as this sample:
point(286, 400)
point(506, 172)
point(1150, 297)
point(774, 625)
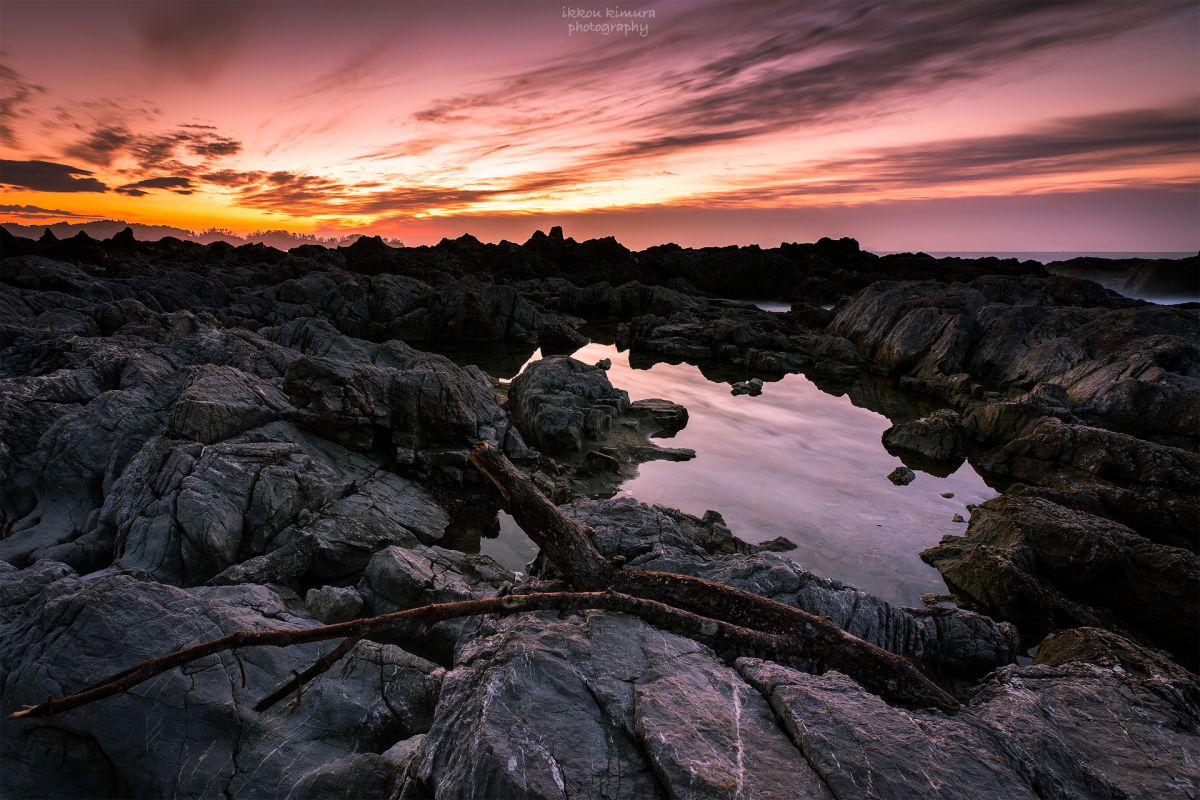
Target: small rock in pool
point(957, 518)
point(780, 544)
point(902, 476)
point(752, 387)
point(604, 363)
point(947, 495)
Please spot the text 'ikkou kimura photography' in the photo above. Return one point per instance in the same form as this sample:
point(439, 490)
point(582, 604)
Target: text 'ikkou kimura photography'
point(608, 21)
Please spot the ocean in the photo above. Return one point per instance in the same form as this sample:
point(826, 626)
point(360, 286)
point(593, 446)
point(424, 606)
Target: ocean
point(1045, 257)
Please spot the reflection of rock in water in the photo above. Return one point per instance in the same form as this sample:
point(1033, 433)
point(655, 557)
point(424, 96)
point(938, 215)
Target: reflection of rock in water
point(883, 395)
point(472, 517)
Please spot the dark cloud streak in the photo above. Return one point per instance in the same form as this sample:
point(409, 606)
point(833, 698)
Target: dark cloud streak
point(176, 184)
point(38, 211)
point(100, 146)
point(46, 176)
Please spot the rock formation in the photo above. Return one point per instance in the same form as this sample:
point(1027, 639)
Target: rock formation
point(196, 440)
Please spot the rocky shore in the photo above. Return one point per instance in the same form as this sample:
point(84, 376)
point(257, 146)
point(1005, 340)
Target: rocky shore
point(201, 439)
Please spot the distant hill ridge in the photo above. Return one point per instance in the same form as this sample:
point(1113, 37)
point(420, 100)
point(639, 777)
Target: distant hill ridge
point(104, 229)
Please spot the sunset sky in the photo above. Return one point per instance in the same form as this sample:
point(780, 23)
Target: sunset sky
point(964, 125)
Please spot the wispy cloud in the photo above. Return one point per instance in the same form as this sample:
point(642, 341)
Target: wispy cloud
point(100, 146)
point(290, 193)
point(16, 93)
point(359, 72)
point(185, 148)
point(396, 111)
point(1074, 145)
point(1097, 143)
point(1114, 140)
point(739, 71)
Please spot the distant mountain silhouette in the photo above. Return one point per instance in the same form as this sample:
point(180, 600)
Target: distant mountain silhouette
point(104, 229)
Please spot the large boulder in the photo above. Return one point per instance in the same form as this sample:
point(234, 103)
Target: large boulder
point(559, 403)
point(403, 400)
point(603, 705)
point(75, 416)
point(1153, 488)
point(1105, 648)
point(185, 511)
point(222, 401)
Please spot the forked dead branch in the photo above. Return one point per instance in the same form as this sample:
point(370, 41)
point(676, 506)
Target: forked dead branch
point(704, 610)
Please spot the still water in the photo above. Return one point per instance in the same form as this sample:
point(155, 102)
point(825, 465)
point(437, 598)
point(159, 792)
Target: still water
point(796, 462)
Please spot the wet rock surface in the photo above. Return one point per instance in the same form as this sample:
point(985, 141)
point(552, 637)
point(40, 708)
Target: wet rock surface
point(201, 439)
point(603, 706)
point(529, 696)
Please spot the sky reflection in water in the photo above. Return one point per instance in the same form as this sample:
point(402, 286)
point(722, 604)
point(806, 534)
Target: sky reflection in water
point(793, 462)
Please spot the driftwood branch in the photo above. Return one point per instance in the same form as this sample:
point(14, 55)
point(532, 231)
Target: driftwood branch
point(700, 609)
point(694, 626)
point(568, 545)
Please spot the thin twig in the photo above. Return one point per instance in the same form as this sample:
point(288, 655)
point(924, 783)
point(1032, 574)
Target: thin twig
point(318, 667)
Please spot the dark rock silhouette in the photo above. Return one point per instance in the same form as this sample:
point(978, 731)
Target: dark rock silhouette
point(1166, 278)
